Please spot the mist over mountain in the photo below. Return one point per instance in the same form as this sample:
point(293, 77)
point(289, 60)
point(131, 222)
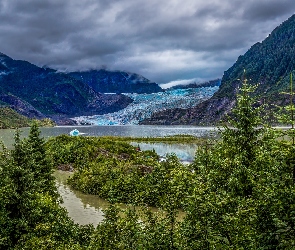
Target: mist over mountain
point(211, 83)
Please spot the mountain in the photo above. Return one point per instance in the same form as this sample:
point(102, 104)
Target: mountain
point(44, 92)
point(267, 63)
point(106, 81)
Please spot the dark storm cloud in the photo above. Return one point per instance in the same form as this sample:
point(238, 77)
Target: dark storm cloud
point(162, 40)
point(268, 9)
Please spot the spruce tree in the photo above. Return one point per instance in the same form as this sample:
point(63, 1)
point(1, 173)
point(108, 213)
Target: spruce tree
point(39, 162)
point(234, 200)
point(28, 196)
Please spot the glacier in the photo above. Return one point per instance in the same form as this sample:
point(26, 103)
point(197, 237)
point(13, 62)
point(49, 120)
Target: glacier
point(144, 105)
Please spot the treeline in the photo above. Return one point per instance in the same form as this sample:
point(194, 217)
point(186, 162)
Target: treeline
point(239, 192)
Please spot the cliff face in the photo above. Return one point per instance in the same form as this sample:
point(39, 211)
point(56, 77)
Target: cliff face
point(105, 81)
point(267, 64)
point(39, 92)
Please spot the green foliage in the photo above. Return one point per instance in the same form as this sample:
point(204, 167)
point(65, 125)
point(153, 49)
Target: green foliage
point(119, 172)
point(238, 194)
point(241, 201)
point(30, 215)
point(184, 139)
point(11, 119)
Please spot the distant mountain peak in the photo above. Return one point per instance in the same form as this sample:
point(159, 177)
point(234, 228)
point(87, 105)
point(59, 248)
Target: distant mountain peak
point(116, 81)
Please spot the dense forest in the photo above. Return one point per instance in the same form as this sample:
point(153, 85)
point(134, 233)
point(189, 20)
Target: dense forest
point(239, 193)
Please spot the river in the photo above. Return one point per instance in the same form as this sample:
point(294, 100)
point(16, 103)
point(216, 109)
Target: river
point(82, 208)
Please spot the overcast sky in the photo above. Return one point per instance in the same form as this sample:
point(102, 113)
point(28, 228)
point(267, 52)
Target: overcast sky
point(163, 40)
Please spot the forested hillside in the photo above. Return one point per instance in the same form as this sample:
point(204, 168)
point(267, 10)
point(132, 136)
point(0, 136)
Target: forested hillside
point(268, 64)
point(11, 119)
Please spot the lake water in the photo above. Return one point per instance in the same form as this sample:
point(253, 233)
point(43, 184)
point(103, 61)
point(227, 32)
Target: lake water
point(85, 209)
point(184, 152)
point(6, 135)
point(123, 130)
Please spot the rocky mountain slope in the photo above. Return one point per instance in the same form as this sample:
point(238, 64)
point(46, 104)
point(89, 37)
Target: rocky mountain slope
point(106, 81)
point(267, 64)
point(44, 92)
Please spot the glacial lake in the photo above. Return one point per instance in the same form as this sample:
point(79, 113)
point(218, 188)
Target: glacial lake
point(84, 208)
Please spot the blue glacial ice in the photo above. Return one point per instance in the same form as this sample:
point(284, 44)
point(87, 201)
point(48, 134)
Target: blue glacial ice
point(144, 105)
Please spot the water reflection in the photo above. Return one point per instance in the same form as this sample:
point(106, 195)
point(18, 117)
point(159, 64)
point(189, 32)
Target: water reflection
point(82, 208)
point(184, 152)
point(86, 208)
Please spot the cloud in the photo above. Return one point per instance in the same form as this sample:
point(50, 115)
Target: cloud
point(162, 40)
point(179, 82)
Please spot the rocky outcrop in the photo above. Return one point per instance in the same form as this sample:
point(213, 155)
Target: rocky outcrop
point(22, 107)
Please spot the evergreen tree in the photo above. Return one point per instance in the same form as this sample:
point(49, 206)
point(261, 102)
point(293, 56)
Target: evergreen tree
point(39, 162)
point(30, 215)
point(244, 198)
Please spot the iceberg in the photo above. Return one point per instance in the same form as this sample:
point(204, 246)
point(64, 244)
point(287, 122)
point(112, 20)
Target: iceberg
point(74, 132)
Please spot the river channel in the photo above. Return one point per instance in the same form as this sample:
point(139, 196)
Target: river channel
point(84, 208)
